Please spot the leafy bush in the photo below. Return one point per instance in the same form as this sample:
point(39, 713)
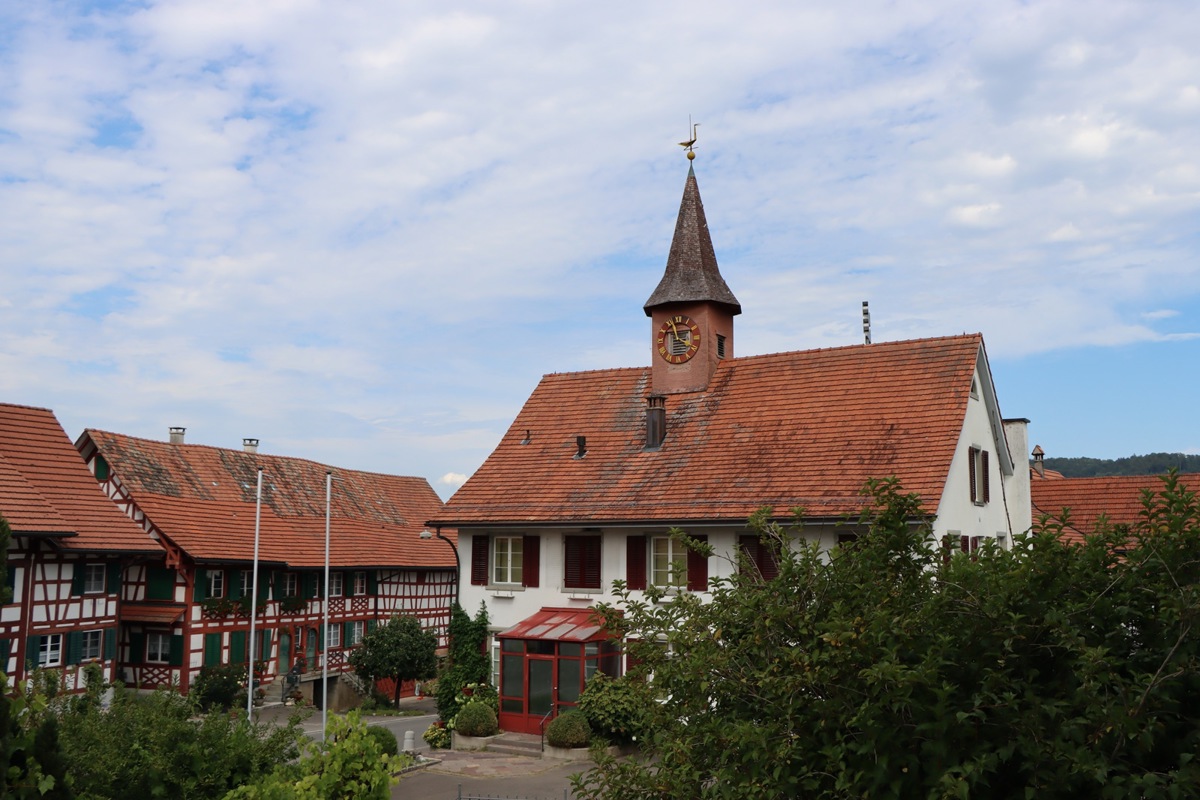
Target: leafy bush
point(569, 730)
point(387, 740)
point(437, 736)
point(476, 719)
point(468, 662)
point(218, 687)
point(616, 707)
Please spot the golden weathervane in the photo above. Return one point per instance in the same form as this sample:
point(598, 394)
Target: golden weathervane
point(690, 144)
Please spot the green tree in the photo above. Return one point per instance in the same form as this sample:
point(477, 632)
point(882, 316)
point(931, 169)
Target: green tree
point(468, 661)
point(893, 669)
point(399, 649)
point(349, 765)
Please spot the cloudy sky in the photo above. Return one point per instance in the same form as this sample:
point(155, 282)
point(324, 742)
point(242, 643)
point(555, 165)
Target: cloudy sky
point(361, 231)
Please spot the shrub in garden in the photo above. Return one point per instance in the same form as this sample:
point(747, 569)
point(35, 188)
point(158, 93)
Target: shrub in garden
point(476, 719)
point(387, 740)
point(616, 707)
point(218, 687)
point(569, 730)
point(437, 736)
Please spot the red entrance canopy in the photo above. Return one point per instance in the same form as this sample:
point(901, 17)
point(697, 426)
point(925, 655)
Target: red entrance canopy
point(131, 612)
point(559, 625)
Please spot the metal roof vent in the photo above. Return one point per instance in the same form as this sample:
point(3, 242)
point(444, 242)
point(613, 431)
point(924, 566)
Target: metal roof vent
point(580, 446)
point(656, 421)
point(177, 435)
point(250, 445)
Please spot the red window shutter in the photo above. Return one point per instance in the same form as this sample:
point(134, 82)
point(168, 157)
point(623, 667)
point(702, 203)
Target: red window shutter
point(479, 560)
point(983, 463)
point(582, 567)
point(697, 568)
point(769, 564)
point(964, 543)
point(591, 562)
point(573, 562)
point(531, 561)
point(749, 544)
point(635, 562)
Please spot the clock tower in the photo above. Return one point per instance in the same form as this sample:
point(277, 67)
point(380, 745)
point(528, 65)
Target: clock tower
point(692, 310)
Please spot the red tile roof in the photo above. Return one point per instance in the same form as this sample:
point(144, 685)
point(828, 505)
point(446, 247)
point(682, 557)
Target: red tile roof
point(203, 499)
point(790, 429)
point(1119, 498)
point(46, 488)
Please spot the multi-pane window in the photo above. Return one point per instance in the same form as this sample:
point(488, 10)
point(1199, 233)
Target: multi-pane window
point(360, 583)
point(335, 636)
point(93, 578)
point(980, 483)
point(158, 648)
point(91, 645)
point(668, 562)
point(356, 633)
point(291, 584)
point(335, 584)
point(216, 583)
point(247, 582)
point(50, 650)
point(507, 559)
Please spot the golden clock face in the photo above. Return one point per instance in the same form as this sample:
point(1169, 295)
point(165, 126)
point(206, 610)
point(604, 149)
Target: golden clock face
point(678, 339)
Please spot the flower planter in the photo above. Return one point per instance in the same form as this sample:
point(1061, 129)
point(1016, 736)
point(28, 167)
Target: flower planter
point(460, 742)
point(566, 753)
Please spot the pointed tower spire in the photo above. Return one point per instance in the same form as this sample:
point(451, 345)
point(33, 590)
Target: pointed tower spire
point(692, 274)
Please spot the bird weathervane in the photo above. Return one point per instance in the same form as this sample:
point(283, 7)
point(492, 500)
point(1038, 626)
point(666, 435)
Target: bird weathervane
point(690, 144)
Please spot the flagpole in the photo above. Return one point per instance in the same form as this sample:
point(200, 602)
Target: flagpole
point(325, 626)
point(254, 599)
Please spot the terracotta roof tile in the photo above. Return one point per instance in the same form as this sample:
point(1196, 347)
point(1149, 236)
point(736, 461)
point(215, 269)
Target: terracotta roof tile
point(45, 487)
point(203, 499)
point(793, 429)
point(1119, 498)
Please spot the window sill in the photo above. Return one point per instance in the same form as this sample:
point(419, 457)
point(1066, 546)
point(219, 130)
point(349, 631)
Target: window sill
point(504, 590)
point(579, 593)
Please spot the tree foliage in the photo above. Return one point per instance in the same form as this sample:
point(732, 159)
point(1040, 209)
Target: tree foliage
point(468, 661)
point(399, 649)
point(349, 765)
point(1149, 464)
point(892, 669)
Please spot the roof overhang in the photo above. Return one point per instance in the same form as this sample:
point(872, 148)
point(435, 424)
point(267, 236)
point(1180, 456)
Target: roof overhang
point(147, 612)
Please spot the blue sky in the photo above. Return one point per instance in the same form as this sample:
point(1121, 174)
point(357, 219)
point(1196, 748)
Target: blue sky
point(361, 232)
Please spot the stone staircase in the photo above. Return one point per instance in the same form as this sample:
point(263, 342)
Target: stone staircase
point(517, 744)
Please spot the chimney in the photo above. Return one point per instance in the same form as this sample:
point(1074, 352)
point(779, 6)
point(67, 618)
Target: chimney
point(177, 435)
point(866, 323)
point(580, 446)
point(1039, 466)
point(656, 421)
point(250, 445)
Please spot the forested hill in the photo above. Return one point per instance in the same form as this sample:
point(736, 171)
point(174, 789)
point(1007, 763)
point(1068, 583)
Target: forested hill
point(1149, 464)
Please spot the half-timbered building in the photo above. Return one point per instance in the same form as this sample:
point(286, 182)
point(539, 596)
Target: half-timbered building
point(69, 557)
point(200, 504)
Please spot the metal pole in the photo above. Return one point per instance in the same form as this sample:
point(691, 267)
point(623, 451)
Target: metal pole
point(254, 599)
point(325, 625)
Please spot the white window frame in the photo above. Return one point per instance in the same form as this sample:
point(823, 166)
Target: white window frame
point(334, 636)
point(291, 584)
point(360, 583)
point(216, 583)
point(668, 563)
point(358, 629)
point(158, 647)
point(247, 582)
point(93, 578)
point(336, 584)
point(508, 560)
point(979, 466)
point(50, 650)
point(91, 645)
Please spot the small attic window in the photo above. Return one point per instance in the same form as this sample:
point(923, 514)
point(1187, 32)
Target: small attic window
point(975, 388)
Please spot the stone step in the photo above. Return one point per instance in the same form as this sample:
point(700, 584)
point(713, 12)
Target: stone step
point(512, 745)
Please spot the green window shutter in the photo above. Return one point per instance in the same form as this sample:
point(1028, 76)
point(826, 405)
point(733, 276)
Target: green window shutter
point(110, 643)
point(347, 628)
point(137, 648)
point(212, 649)
point(372, 582)
point(160, 583)
point(237, 647)
point(175, 659)
point(264, 650)
point(264, 586)
point(74, 647)
point(77, 577)
point(310, 585)
point(200, 585)
point(323, 642)
point(101, 468)
point(371, 624)
point(32, 645)
point(10, 580)
point(233, 584)
point(112, 578)
point(5, 650)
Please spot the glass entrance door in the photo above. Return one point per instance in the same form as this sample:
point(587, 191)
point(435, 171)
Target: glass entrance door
point(541, 686)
